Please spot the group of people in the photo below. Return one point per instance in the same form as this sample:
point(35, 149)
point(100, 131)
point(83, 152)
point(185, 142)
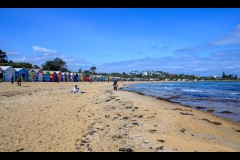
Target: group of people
point(19, 80)
point(115, 86)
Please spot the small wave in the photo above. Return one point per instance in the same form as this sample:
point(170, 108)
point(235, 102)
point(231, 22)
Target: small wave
point(191, 90)
point(232, 99)
point(235, 93)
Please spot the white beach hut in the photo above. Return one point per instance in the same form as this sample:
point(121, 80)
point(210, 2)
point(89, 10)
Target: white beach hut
point(7, 72)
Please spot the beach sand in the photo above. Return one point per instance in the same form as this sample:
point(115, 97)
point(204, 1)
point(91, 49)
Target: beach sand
point(48, 117)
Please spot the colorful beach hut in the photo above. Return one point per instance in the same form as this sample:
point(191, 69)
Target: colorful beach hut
point(65, 76)
point(53, 76)
point(39, 73)
point(31, 73)
point(23, 73)
point(75, 79)
point(59, 75)
point(81, 77)
point(46, 76)
point(71, 77)
point(7, 72)
point(86, 77)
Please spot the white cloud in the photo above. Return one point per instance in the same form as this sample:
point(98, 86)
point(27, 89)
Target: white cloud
point(22, 59)
point(45, 51)
point(13, 53)
point(233, 38)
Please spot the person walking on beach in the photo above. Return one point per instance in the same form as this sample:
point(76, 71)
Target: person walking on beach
point(90, 79)
point(12, 77)
point(1, 77)
point(115, 85)
point(19, 80)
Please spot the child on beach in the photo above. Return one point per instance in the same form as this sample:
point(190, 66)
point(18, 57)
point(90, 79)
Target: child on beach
point(75, 89)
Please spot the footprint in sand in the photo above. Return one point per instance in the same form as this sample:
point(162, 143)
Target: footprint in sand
point(152, 131)
point(182, 113)
point(183, 130)
point(160, 148)
point(215, 123)
point(161, 140)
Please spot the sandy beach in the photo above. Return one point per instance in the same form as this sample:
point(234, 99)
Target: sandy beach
point(48, 117)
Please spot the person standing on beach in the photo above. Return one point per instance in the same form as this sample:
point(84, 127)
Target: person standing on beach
point(19, 80)
point(12, 77)
point(115, 85)
point(1, 77)
point(90, 79)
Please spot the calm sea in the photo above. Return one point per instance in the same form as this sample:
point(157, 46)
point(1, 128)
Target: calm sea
point(220, 98)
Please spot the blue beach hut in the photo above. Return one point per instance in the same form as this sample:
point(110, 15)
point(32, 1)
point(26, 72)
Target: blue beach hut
point(46, 76)
point(23, 73)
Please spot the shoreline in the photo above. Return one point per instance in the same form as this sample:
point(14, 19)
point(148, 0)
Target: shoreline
point(167, 100)
point(48, 117)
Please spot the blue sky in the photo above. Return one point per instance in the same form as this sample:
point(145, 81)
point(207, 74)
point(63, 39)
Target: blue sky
point(200, 41)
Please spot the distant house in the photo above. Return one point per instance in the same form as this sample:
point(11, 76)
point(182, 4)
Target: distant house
point(145, 73)
point(159, 73)
point(7, 72)
point(23, 73)
point(230, 76)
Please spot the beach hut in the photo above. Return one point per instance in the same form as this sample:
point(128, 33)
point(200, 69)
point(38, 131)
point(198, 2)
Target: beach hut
point(38, 76)
point(102, 78)
point(7, 71)
point(86, 77)
point(64, 76)
point(71, 77)
point(23, 73)
point(46, 76)
point(53, 76)
point(59, 75)
point(31, 73)
point(76, 77)
point(81, 77)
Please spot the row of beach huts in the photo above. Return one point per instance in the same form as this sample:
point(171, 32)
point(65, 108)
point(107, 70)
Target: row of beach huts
point(39, 75)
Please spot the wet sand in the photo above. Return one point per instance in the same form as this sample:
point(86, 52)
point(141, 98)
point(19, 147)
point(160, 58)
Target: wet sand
point(48, 117)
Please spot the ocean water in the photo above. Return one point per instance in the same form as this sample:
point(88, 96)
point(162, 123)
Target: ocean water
point(220, 98)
